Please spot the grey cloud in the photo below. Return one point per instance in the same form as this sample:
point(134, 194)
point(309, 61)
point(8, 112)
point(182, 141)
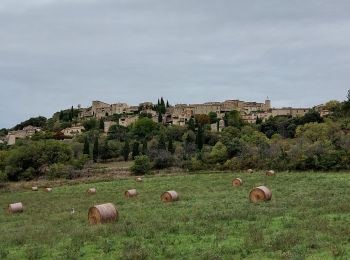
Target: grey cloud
point(55, 54)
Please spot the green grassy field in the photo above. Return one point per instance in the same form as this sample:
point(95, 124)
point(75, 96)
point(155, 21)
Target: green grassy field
point(308, 217)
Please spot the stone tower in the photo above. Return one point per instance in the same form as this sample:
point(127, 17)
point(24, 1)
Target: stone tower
point(267, 104)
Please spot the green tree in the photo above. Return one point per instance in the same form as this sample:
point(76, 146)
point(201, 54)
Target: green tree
point(160, 118)
point(117, 132)
point(200, 138)
point(91, 124)
point(213, 118)
point(86, 149)
point(102, 124)
point(135, 149)
point(144, 127)
point(191, 125)
point(142, 165)
point(106, 151)
point(95, 151)
point(144, 147)
point(233, 118)
point(171, 147)
point(161, 141)
point(219, 153)
point(162, 106)
point(126, 150)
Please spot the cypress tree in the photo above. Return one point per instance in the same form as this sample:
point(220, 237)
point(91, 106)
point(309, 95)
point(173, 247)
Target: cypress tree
point(135, 149)
point(191, 125)
point(162, 106)
point(161, 142)
point(171, 147)
point(86, 146)
point(199, 138)
point(71, 114)
point(102, 124)
point(95, 150)
point(144, 147)
point(126, 150)
point(167, 104)
point(160, 118)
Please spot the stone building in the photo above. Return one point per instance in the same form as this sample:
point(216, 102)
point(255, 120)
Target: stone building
point(289, 111)
point(72, 131)
point(181, 113)
point(26, 132)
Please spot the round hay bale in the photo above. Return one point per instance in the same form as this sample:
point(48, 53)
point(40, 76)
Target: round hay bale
point(130, 193)
point(270, 173)
point(48, 189)
point(170, 195)
point(260, 193)
point(103, 213)
point(35, 188)
point(15, 208)
point(138, 179)
point(250, 171)
point(91, 190)
point(237, 182)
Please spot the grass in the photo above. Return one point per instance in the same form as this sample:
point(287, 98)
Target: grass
point(308, 217)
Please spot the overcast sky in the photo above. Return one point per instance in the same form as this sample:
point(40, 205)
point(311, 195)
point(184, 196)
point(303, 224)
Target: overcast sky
point(59, 53)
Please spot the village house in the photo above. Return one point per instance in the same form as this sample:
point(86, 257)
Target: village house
point(26, 132)
point(72, 131)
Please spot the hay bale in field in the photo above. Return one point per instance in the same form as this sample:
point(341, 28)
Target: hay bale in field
point(138, 179)
point(91, 190)
point(260, 193)
point(48, 189)
point(34, 188)
point(130, 193)
point(170, 195)
point(103, 213)
point(250, 171)
point(270, 173)
point(15, 208)
point(237, 182)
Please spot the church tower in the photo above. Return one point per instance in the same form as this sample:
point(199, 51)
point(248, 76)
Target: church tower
point(267, 104)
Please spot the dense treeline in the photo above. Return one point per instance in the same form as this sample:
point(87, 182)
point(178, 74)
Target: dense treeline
point(283, 143)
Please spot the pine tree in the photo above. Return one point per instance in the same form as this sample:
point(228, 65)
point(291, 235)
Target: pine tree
point(135, 149)
point(126, 150)
point(86, 146)
point(171, 147)
point(95, 150)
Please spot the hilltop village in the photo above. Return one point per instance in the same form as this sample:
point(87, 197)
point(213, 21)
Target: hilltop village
point(179, 114)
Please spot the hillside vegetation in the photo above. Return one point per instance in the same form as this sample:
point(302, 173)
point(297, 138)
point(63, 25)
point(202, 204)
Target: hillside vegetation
point(303, 143)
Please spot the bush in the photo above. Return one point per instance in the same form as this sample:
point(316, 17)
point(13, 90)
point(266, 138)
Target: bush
point(195, 165)
point(161, 159)
point(142, 165)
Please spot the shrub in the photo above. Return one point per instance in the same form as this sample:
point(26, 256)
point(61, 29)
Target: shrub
point(195, 165)
point(219, 153)
point(162, 159)
point(142, 165)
